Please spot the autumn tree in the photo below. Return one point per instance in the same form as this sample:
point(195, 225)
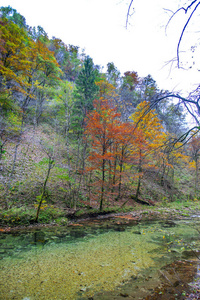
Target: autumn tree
point(67, 57)
point(44, 76)
point(101, 130)
point(25, 65)
point(27, 69)
point(131, 80)
point(107, 91)
point(149, 137)
point(14, 67)
point(122, 153)
point(14, 62)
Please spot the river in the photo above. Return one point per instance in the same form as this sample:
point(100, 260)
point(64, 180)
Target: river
point(99, 259)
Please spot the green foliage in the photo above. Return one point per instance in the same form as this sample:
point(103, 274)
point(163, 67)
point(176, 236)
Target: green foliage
point(50, 214)
point(17, 216)
point(85, 93)
point(113, 74)
point(38, 34)
point(39, 197)
point(14, 123)
point(79, 212)
point(10, 121)
point(12, 15)
point(85, 83)
point(60, 107)
point(23, 216)
point(61, 221)
point(6, 102)
point(63, 176)
point(43, 161)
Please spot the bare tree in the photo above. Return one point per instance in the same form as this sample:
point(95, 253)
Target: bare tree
point(189, 8)
point(49, 152)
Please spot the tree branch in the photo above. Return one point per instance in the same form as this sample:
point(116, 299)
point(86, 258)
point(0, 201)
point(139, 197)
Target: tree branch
point(185, 26)
point(128, 13)
point(191, 113)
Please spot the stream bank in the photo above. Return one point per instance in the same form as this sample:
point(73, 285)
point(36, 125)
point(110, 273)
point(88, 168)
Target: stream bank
point(170, 211)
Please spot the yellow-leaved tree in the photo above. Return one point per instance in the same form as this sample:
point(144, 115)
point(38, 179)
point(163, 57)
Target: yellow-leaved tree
point(148, 139)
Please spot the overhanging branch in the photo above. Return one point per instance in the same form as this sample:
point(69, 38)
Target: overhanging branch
point(128, 13)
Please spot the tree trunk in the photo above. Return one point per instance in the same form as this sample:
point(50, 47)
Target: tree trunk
point(67, 116)
point(89, 187)
point(120, 174)
point(114, 174)
point(138, 188)
point(50, 166)
point(139, 179)
point(15, 157)
point(196, 177)
point(102, 185)
point(74, 192)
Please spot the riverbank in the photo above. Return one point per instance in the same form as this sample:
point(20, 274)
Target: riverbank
point(14, 220)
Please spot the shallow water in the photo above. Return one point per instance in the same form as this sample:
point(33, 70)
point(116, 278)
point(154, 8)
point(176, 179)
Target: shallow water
point(91, 260)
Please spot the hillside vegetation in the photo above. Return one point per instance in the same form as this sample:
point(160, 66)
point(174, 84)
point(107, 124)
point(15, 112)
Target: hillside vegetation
point(73, 138)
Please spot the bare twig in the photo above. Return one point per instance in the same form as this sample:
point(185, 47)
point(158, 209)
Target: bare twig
point(185, 26)
point(128, 13)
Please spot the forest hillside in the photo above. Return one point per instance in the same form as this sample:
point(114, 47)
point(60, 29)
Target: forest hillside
point(74, 138)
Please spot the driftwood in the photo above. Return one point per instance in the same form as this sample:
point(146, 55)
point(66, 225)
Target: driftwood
point(141, 201)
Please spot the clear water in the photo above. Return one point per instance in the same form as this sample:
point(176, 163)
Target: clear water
point(79, 262)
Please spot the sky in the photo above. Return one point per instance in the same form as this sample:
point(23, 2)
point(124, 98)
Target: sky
point(145, 46)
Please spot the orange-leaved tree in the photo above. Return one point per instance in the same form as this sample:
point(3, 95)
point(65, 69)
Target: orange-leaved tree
point(102, 129)
point(122, 153)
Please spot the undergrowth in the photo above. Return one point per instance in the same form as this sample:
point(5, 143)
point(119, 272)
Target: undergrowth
point(25, 216)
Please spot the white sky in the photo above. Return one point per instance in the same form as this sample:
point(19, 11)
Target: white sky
point(98, 26)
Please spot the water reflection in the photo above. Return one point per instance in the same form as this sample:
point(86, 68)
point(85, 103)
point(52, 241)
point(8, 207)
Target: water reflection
point(39, 237)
